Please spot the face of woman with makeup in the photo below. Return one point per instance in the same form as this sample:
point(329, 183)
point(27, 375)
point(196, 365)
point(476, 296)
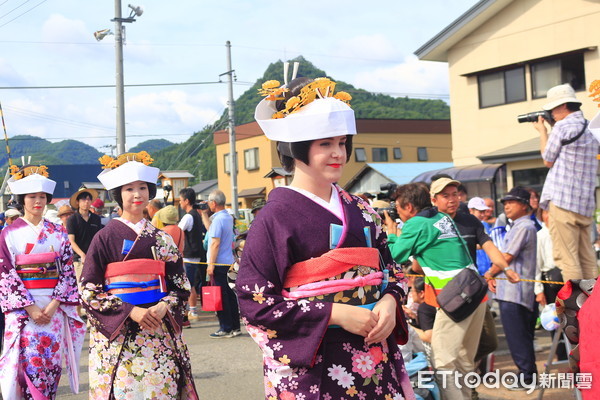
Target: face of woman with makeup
point(326, 159)
point(135, 197)
point(35, 204)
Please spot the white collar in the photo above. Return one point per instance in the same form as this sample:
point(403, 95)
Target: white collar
point(334, 205)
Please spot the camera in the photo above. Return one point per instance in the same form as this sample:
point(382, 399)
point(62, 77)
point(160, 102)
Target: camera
point(200, 205)
point(391, 210)
point(533, 116)
point(388, 191)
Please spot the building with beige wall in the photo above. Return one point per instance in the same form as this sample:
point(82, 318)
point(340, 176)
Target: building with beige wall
point(503, 55)
point(259, 170)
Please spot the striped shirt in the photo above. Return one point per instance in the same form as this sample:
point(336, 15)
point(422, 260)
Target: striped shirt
point(571, 181)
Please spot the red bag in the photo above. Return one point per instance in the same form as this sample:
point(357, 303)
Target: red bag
point(211, 298)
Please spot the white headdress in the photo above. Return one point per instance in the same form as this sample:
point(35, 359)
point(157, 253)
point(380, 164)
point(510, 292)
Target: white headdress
point(315, 113)
point(127, 168)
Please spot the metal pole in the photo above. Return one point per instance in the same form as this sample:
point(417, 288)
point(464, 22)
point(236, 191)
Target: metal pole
point(232, 154)
point(119, 79)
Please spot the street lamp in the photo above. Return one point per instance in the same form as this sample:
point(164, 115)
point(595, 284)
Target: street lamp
point(136, 11)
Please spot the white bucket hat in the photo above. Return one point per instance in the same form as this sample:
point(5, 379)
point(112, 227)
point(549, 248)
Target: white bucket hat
point(126, 169)
point(318, 116)
point(560, 94)
point(34, 181)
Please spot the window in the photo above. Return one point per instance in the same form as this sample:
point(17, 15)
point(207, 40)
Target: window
point(251, 159)
point(566, 69)
point(501, 87)
point(227, 163)
point(422, 154)
point(397, 153)
point(533, 177)
point(360, 155)
point(380, 154)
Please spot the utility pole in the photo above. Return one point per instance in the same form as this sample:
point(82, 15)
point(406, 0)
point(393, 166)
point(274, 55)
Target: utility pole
point(232, 154)
point(120, 81)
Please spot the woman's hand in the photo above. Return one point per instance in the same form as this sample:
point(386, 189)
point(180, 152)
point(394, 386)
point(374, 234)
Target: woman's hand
point(37, 315)
point(357, 320)
point(385, 309)
point(159, 310)
point(145, 318)
point(51, 308)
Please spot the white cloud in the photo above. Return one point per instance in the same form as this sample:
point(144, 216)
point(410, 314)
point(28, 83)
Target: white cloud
point(410, 77)
point(172, 112)
point(375, 46)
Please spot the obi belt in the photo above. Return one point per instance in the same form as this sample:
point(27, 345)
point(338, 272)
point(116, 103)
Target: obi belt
point(350, 275)
point(139, 281)
point(38, 270)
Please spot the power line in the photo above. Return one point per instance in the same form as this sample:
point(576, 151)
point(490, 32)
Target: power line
point(110, 86)
point(20, 15)
point(16, 8)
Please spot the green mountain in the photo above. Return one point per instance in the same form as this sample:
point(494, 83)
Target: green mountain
point(197, 154)
point(152, 146)
point(44, 152)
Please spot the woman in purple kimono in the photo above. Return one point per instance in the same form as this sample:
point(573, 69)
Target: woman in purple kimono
point(133, 288)
point(38, 295)
point(318, 289)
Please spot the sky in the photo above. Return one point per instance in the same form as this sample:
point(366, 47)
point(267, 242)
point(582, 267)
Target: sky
point(51, 43)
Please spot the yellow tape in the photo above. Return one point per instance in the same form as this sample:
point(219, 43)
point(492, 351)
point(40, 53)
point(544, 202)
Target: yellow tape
point(505, 279)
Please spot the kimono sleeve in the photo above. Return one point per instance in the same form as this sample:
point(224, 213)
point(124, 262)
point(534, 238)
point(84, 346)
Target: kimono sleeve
point(397, 287)
point(288, 331)
point(66, 288)
point(13, 293)
point(106, 312)
point(178, 286)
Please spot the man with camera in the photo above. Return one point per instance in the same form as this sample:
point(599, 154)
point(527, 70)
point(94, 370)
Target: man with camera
point(568, 193)
point(193, 251)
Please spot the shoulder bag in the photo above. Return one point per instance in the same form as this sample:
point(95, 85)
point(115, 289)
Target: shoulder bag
point(463, 294)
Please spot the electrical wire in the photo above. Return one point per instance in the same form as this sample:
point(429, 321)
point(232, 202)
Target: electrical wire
point(110, 86)
point(20, 15)
point(14, 9)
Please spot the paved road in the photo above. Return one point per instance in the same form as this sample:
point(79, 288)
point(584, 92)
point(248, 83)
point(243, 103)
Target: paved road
point(231, 368)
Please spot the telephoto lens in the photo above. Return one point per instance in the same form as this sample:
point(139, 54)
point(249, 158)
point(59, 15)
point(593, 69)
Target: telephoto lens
point(533, 116)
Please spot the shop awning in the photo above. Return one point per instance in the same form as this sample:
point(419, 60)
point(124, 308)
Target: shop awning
point(469, 173)
point(252, 192)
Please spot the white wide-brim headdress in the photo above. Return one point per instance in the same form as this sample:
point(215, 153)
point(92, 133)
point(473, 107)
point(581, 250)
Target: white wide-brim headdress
point(322, 118)
point(33, 183)
point(129, 172)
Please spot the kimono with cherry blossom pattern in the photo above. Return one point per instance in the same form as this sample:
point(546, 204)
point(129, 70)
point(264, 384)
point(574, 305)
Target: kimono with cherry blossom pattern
point(127, 362)
point(303, 358)
point(32, 357)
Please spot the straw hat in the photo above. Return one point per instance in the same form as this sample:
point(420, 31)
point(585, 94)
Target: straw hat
point(73, 200)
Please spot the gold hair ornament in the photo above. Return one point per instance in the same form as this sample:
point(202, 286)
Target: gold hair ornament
point(20, 173)
point(109, 162)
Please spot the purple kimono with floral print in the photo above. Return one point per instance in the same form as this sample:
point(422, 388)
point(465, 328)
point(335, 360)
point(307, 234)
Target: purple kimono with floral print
point(125, 360)
point(32, 357)
point(303, 357)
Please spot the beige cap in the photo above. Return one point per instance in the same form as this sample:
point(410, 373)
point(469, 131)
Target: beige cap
point(440, 184)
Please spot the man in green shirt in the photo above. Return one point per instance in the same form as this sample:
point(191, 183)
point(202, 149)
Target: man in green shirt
point(432, 238)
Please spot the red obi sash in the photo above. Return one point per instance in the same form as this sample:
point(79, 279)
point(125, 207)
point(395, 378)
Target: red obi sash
point(330, 264)
point(38, 270)
point(138, 281)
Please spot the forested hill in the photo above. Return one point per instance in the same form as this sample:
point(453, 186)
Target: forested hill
point(197, 154)
point(44, 152)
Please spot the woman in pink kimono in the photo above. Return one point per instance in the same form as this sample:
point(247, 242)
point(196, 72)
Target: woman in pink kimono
point(38, 295)
point(317, 287)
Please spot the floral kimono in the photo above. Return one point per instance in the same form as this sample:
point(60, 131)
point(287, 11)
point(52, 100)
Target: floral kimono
point(32, 358)
point(304, 358)
point(126, 361)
